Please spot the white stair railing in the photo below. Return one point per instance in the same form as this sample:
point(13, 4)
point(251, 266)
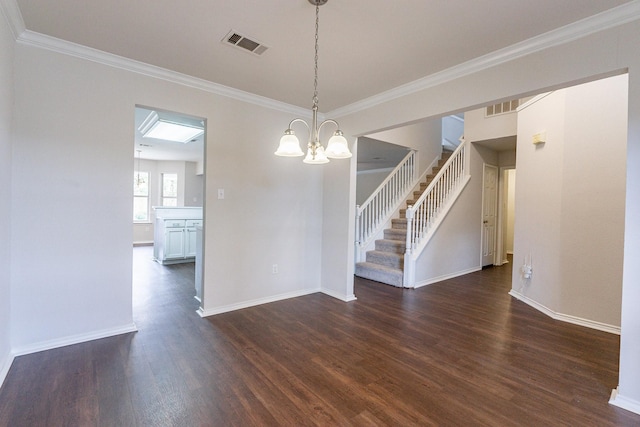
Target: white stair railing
point(383, 202)
point(425, 215)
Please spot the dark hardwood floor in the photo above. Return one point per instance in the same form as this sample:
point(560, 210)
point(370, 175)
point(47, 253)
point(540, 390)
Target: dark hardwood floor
point(458, 353)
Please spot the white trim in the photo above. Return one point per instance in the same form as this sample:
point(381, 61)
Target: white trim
point(30, 38)
point(364, 172)
point(622, 14)
point(74, 339)
point(624, 402)
point(446, 277)
point(533, 101)
point(592, 324)
point(252, 303)
point(11, 12)
point(341, 297)
point(5, 366)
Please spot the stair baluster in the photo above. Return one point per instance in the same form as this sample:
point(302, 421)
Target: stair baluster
point(393, 260)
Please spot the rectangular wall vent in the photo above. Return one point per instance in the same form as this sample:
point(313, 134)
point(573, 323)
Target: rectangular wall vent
point(233, 38)
point(502, 108)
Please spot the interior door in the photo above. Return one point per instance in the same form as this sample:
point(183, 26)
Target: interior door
point(489, 213)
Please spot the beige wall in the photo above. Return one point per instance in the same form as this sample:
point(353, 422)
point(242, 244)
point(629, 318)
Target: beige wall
point(425, 137)
point(271, 213)
point(6, 117)
point(570, 200)
point(478, 127)
point(610, 51)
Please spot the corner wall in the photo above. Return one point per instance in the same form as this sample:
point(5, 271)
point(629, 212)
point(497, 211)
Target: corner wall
point(570, 202)
point(605, 53)
point(7, 44)
point(72, 169)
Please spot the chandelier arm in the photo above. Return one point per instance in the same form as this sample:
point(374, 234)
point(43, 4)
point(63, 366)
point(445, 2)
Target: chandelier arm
point(299, 120)
point(337, 145)
point(328, 121)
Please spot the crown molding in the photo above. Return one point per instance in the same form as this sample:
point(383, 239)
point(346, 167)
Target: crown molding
point(11, 12)
point(623, 14)
point(33, 39)
point(620, 15)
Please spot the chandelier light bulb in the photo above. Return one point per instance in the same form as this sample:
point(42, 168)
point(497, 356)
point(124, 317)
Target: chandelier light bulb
point(337, 148)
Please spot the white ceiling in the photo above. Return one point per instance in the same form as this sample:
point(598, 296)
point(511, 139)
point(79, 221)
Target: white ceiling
point(366, 46)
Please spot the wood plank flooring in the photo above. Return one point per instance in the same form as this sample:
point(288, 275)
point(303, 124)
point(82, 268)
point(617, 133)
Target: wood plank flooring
point(458, 353)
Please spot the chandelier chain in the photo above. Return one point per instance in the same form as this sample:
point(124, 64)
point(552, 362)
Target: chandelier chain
point(315, 80)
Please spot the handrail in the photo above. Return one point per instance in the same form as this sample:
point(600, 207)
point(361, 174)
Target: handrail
point(375, 211)
point(422, 215)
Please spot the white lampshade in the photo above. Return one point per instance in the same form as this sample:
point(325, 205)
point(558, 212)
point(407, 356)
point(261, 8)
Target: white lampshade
point(289, 146)
point(319, 159)
point(338, 147)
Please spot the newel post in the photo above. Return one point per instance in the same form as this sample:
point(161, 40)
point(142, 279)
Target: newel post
point(407, 280)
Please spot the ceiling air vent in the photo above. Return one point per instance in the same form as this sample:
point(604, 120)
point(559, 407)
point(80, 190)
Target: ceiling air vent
point(236, 39)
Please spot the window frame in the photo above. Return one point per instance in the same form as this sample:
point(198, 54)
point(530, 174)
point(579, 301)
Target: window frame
point(136, 173)
point(164, 197)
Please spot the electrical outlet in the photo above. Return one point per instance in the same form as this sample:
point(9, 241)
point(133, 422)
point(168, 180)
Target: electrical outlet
point(220, 193)
point(274, 269)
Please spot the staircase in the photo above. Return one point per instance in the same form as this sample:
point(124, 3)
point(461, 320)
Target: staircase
point(386, 262)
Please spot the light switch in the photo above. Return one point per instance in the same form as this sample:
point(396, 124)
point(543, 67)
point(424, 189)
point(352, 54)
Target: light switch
point(220, 193)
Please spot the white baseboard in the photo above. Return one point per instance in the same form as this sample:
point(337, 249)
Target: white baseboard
point(253, 303)
point(5, 365)
point(445, 277)
point(341, 297)
point(623, 402)
point(565, 317)
point(74, 339)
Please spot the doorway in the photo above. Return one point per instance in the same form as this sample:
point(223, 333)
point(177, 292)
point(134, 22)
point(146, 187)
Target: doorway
point(168, 193)
point(489, 213)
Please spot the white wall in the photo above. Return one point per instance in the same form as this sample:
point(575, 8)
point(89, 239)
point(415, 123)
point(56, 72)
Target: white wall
point(603, 53)
point(539, 200)
point(593, 199)
point(478, 127)
point(455, 248)
point(78, 208)
point(570, 200)
point(70, 293)
point(6, 113)
point(425, 137)
point(193, 185)
point(510, 209)
point(368, 181)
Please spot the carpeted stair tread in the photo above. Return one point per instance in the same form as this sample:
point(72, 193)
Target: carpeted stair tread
point(380, 273)
point(387, 245)
point(394, 234)
point(388, 259)
point(385, 264)
point(399, 223)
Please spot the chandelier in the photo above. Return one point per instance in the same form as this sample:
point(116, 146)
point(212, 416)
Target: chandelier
point(337, 147)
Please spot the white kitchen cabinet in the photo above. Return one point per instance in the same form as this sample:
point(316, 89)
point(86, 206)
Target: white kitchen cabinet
point(190, 241)
point(175, 240)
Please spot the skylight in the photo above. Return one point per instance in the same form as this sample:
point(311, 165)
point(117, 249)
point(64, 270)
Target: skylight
point(157, 127)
